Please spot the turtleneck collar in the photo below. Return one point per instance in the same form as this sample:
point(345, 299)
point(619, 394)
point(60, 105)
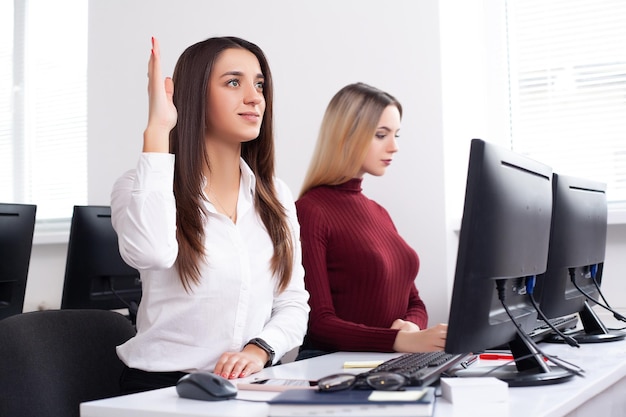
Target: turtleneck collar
point(353, 185)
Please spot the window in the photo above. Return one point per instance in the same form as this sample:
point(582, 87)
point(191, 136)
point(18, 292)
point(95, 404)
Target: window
point(43, 105)
point(568, 87)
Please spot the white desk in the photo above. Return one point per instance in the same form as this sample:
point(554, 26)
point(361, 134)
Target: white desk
point(600, 392)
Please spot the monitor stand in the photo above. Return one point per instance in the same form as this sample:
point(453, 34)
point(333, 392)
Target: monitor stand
point(529, 369)
point(593, 331)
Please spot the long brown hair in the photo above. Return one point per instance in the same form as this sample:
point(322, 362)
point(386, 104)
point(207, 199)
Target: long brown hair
point(346, 132)
point(191, 77)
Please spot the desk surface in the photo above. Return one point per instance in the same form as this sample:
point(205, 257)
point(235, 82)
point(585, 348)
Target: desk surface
point(604, 363)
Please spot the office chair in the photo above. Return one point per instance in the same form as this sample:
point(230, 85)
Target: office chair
point(52, 360)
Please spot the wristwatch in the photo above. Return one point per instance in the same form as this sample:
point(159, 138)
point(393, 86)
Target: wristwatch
point(257, 341)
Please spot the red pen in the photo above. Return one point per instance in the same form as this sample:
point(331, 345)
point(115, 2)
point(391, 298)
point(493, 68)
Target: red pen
point(499, 356)
point(495, 356)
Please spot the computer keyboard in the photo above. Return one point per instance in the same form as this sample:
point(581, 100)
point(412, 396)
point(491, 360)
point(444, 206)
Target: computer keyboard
point(421, 368)
point(543, 332)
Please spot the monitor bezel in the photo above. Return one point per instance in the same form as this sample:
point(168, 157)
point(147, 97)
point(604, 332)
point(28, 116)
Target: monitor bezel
point(577, 251)
point(17, 227)
point(503, 241)
point(96, 276)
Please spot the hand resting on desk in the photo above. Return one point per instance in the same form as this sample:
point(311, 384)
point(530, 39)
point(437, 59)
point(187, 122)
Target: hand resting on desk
point(431, 339)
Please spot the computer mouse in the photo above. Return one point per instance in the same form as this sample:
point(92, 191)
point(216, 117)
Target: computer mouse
point(205, 386)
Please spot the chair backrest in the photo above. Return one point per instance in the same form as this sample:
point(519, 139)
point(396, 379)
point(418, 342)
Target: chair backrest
point(51, 361)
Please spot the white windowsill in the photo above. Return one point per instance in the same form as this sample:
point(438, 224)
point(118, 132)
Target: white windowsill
point(52, 233)
point(617, 216)
point(614, 217)
point(59, 232)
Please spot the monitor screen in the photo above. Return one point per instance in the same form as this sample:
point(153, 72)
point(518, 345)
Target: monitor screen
point(503, 244)
point(17, 224)
point(576, 257)
point(96, 277)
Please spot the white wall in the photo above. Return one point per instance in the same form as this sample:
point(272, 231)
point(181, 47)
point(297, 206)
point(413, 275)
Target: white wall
point(314, 48)
point(434, 56)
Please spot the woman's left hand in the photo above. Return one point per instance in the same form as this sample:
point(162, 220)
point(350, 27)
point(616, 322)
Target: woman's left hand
point(400, 324)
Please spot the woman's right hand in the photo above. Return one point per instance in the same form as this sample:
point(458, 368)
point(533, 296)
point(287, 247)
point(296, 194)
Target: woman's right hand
point(431, 339)
point(162, 113)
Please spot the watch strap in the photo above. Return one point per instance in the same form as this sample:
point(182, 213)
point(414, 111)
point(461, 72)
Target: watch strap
point(257, 341)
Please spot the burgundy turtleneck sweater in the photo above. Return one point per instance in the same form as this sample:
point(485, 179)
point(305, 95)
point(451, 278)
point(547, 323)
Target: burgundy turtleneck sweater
point(358, 270)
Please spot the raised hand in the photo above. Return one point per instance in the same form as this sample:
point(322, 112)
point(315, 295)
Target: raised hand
point(162, 114)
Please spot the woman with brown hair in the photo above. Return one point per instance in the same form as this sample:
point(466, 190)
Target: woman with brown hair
point(213, 233)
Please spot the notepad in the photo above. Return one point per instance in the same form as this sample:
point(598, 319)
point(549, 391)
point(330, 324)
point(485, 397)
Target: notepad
point(391, 396)
point(361, 364)
point(294, 403)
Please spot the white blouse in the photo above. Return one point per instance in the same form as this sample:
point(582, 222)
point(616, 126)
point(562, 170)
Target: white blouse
point(236, 299)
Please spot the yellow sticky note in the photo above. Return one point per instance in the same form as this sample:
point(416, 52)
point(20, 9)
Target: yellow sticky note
point(361, 364)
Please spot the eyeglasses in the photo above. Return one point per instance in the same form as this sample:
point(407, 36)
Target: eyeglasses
point(382, 381)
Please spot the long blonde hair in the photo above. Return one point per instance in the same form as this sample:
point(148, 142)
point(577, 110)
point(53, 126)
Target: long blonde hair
point(346, 133)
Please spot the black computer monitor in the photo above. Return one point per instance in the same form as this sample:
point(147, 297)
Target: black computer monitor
point(17, 224)
point(503, 245)
point(96, 276)
point(576, 258)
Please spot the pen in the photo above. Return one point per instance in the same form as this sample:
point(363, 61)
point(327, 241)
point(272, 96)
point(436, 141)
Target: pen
point(469, 361)
point(495, 356)
point(499, 356)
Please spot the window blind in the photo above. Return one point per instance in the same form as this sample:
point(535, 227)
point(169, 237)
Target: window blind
point(6, 99)
point(43, 105)
point(568, 87)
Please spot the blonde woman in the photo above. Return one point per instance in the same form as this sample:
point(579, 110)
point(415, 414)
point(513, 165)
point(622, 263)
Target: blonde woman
point(359, 271)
